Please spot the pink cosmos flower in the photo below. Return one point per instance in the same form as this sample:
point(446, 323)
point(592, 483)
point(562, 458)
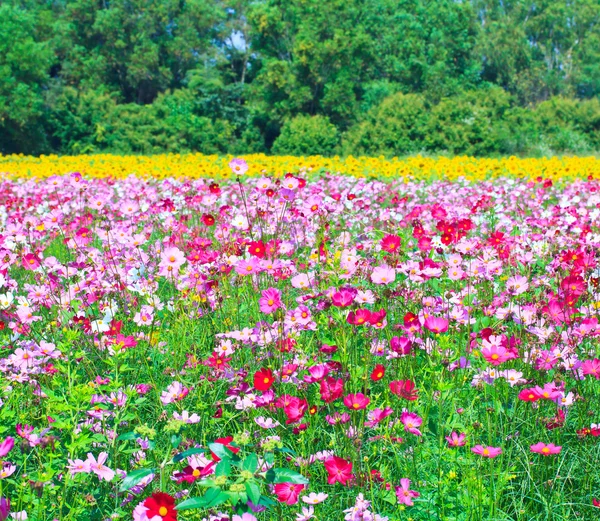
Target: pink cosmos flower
point(175, 392)
point(404, 494)
point(517, 285)
point(591, 367)
point(411, 422)
point(77, 466)
point(288, 492)
point(270, 301)
point(383, 275)
point(456, 439)
point(546, 450)
point(495, 354)
point(436, 325)
point(343, 298)
point(171, 260)
point(315, 499)
point(302, 281)
point(377, 415)
point(98, 467)
point(238, 166)
point(246, 516)
point(486, 452)
point(31, 262)
point(248, 267)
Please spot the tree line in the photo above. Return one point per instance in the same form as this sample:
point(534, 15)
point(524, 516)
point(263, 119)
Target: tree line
point(369, 77)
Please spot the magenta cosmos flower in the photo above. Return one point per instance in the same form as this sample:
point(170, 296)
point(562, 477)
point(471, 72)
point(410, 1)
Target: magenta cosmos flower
point(546, 450)
point(436, 324)
point(270, 300)
point(404, 494)
point(338, 470)
point(356, 401)
point(487, 452)
point(411, 422)
point(456, 439)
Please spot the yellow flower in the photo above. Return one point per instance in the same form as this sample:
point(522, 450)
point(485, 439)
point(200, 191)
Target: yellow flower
point(213, 166)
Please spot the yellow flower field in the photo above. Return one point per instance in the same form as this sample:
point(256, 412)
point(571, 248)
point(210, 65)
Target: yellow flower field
point(213, 166)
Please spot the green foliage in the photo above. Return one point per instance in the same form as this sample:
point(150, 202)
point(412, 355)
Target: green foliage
point(24, 62)
point(468, 123)
point(136, 77)
point(305, 135)
point(395, 127)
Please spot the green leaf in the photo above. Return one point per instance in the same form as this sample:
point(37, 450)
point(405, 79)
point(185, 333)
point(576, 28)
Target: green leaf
point(223, 468)
point(280, 475)
point(213, 497)
point(220, 450)
point(175, 440)
point(190, 452)
point(250, 463)
point(133, 478)
point(127, 436)
point(253, 492)
point(390, 498)
point(266, 501)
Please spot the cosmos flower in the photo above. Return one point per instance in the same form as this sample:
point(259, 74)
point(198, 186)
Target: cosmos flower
point(486, 452)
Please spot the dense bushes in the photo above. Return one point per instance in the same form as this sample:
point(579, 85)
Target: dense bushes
point(306, 135)
point(481, 122)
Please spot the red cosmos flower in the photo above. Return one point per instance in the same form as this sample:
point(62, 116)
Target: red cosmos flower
point(257, 249)
point(288, 492)
point(556, 422)
point(573, 285)
point(391, 243)
point(214, 188)
point(208, 219)
point(529, 395)
point(405, 389)
point(377, 317)
point(31, 261)
point(218, 361)
point(410, 320)
point(263, 379)
point(497, 238)
point(595, 502)
point(446, 239)
point(331, 389)
point(378, 373)
point(162, 505)
point(338, 470)
point(356, 401)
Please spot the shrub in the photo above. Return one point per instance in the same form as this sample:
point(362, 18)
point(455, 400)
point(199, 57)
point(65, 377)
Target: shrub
point(468, 123)
point(394, 127)
point(307, 135)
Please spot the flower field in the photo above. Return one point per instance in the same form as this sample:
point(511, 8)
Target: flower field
point(202, 338)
